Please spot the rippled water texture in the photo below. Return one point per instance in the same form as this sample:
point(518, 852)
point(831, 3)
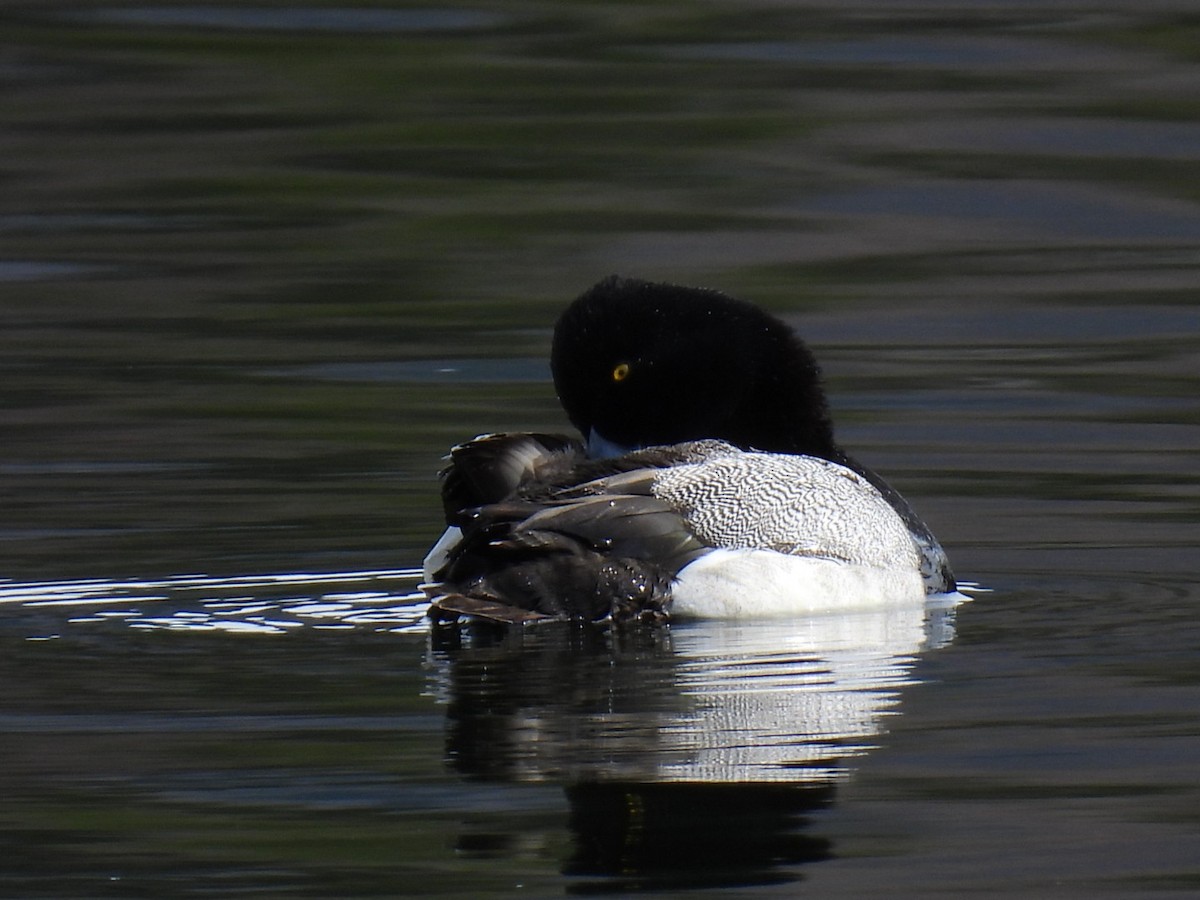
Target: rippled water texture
point(262, 264)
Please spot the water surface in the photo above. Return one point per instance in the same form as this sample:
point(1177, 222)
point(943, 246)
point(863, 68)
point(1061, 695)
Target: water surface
point(263, 265)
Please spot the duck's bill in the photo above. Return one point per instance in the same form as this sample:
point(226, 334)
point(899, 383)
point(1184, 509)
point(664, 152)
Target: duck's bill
point(600, 447)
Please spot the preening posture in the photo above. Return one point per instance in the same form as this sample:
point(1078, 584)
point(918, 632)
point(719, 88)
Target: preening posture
point(705, 482)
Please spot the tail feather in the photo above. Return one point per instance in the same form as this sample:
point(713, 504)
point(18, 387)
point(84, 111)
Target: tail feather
point(448, 607)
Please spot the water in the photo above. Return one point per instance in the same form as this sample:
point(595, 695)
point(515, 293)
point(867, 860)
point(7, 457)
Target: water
point(263, 265)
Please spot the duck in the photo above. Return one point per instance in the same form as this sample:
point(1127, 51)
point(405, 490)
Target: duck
point(705, 481)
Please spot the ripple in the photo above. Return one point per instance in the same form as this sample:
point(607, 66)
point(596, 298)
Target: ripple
point(297, 18)
point(1048, 207)
point(445, 371)
point(958, 52)
point(40, 270)
point(384, 600)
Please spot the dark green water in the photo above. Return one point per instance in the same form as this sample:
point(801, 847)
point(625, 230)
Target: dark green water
point(260, 265)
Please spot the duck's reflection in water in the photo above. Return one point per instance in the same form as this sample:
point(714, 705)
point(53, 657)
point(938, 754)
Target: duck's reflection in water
point(692, 755)
point(653, 836)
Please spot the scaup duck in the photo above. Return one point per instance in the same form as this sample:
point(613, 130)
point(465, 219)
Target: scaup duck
point(707, 482)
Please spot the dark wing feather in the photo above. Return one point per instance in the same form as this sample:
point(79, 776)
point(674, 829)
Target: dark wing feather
point(548, 547)
point(635, 526)
point(491, 468)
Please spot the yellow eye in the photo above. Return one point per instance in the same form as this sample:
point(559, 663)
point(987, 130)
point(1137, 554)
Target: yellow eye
point(621, 372)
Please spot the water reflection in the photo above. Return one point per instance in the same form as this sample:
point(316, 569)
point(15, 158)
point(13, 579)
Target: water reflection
point(659, 836)
point(691, 754)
